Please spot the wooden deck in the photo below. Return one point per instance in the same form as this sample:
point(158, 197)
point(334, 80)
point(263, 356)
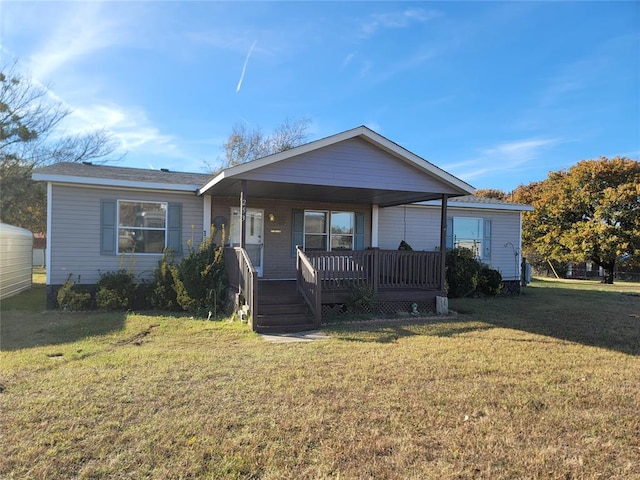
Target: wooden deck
point(329, 278)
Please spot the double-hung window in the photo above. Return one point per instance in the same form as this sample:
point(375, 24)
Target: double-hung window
point(322, 231)
point(342, 228)
point(471, 233)
point(142, 226)
point(328, 230)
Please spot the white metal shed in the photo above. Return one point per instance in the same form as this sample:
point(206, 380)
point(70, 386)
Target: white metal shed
point(16, 259)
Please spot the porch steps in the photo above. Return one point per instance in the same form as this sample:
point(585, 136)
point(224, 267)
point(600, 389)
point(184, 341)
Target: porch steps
point(281, 308)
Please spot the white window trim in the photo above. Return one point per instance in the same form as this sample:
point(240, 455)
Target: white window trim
point(118, 226)
point(328, 234)
point(481, 249)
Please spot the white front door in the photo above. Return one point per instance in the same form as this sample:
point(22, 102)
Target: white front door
point(254, 235)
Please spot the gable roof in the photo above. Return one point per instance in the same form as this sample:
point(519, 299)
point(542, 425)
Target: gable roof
point(106, 175)
point(228, 181)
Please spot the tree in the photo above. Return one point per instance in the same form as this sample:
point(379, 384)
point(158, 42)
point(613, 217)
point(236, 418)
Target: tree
point(244, 145)
point(590, 212)
point(30, 137)
point(491, 193)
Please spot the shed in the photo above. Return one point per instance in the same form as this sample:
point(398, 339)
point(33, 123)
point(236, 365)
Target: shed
point(16, 258)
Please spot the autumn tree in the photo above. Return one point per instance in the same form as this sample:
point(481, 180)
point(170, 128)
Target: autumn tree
point(244, 144)
point(492, 193)
point(590, 212)
point(30, 137)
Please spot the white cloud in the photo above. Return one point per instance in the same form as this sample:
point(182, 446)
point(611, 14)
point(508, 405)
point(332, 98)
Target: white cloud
point(347, 59)
point(395, 20)
point(502, 157)
point(85, 29)
point(518, 152)
point(128, 124)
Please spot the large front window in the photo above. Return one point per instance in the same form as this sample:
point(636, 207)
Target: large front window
point(142, 227)
point(328, 230)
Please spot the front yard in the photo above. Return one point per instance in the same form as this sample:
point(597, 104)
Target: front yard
point(545, 385)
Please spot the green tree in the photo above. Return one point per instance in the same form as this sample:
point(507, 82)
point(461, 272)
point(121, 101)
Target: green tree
point(244, 145)
point(30, 137)
point(590, 212)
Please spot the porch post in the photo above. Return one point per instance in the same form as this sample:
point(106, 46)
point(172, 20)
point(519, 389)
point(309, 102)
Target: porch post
point(443, 242)
point(374, 225)
point(206, 217)
point(243, 213)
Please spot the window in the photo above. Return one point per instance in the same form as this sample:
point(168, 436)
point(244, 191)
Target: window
point(467, 233)
point(328, 230)
point(317, 230)
point(142, 226)
point(471, 233)
point(342, 224)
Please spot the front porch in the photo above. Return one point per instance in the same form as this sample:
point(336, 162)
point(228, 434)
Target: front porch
point(321, 202)
point(331, 283)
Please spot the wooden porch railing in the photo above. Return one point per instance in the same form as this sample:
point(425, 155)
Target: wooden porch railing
point(308, 283)
point(244, 278)
point(383, 269)
point(408, 269)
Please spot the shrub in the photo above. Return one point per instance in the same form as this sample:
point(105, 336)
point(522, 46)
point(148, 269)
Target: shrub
point(116, 290)
point(162, 294)
point(72, 296)
point(362, 298)
point(489, 281)
point(200, 279)
point(462, 272)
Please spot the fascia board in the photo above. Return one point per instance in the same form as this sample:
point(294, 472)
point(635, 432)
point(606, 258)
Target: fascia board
point(110, 182)
point(476, 206)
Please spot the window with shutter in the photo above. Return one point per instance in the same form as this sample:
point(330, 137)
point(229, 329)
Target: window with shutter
point(132, 226)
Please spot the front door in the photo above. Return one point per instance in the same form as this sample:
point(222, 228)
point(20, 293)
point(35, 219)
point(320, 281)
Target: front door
point(254, 235)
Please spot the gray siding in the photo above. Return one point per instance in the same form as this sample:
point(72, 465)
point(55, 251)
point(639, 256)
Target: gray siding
point(278, 262)
point(352, 163)
point(75, 232)
point(419, 226)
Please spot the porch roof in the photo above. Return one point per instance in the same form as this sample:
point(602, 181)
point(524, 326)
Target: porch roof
point(356, 166)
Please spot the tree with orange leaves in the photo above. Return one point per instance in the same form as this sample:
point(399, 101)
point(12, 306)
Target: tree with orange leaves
point(590, 212)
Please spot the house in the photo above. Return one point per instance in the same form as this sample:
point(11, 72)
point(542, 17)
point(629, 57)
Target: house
point(304, 227)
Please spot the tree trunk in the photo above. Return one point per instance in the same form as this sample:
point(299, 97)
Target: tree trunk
point(608, 273)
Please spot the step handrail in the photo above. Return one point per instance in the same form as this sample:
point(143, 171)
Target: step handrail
point(243, 275)
point(308, 283)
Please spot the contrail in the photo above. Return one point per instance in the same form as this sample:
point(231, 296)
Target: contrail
point(244, 67)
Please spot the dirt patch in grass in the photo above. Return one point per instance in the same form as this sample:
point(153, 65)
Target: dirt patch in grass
point(138, 338)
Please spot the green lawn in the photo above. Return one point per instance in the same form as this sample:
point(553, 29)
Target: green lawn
point(544, 385)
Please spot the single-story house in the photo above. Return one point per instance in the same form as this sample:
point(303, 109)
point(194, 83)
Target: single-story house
point(304, 227)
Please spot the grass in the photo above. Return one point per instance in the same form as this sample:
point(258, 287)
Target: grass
point(544, 385)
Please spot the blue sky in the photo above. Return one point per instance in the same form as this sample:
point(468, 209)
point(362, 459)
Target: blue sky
point(496, 93)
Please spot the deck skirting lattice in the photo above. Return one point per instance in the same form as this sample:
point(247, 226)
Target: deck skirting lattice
point(387, 307)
